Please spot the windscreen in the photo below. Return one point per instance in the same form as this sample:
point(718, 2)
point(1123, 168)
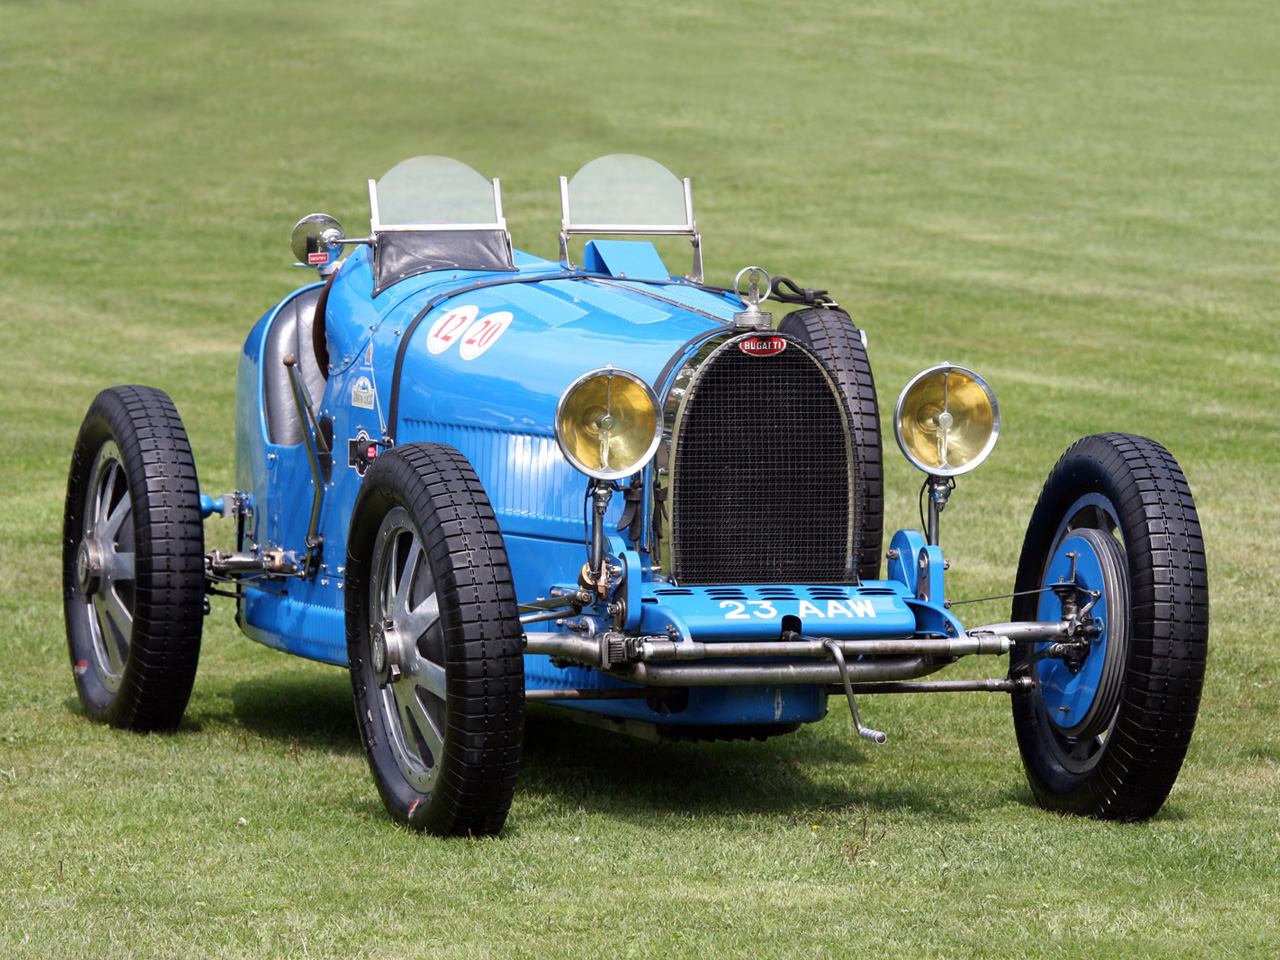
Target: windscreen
point(430, 189)
point(627, 190)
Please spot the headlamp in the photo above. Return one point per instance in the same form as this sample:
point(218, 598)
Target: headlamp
point(946, 420)
point(607, 423)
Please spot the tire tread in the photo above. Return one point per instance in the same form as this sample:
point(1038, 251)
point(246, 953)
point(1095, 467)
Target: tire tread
point(838, 342)
point(168, 602)
point(1169, 622)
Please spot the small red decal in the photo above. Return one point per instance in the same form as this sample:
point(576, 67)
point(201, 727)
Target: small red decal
point(762, 346)
point(317, 259)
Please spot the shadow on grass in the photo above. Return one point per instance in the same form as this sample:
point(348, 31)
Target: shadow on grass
point(314, 708)
point(573, 765)
point(570, 765)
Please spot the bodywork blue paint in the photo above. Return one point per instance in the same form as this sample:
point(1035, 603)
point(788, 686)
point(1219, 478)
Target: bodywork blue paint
point(495, 403)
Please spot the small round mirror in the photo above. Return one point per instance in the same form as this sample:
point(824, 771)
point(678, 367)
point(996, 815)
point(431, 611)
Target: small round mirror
point(317, 239)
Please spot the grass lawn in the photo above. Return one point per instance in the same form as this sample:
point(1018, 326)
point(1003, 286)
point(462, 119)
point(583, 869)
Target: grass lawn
point(1075, 197)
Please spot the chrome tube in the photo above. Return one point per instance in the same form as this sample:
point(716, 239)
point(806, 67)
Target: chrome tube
point(770, 674)
point(984, 644)
point(564, 646)
point(993, 640)
point(1027, 631)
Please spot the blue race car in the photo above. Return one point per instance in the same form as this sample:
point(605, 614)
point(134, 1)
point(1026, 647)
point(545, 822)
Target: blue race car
point(480, 479)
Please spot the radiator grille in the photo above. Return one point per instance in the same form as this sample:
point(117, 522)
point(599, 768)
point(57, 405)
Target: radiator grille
point(761, 475)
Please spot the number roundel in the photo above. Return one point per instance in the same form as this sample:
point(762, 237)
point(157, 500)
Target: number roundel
point(450, 327)
point(473, 336)
point(483, 334)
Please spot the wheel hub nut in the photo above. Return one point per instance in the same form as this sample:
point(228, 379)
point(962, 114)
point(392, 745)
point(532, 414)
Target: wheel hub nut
point(89, 567)
point(378, 653)
point(385, 653)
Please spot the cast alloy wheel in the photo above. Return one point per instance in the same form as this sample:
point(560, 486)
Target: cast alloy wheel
point(407, 650)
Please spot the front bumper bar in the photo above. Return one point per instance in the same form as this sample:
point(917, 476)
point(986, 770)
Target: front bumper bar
point(662, 662)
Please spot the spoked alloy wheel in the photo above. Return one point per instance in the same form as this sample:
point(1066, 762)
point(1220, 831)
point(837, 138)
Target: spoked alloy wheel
point(133, 561)
point(1105, 734)
point(433, 640)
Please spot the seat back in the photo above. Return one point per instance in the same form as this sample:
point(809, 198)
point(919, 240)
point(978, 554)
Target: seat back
point(291, 333)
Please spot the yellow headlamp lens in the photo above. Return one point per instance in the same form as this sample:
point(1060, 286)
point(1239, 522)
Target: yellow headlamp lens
point(947, 420)
point(607, 423)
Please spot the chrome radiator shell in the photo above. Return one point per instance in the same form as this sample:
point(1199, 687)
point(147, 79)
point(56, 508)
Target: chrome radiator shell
point(755, 478)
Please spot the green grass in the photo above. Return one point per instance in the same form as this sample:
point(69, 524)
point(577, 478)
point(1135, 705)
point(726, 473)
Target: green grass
point(1075, 198)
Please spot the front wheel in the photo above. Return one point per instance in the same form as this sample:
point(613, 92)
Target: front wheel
point(133, 561)
point(1103, 732)
point(434, 643)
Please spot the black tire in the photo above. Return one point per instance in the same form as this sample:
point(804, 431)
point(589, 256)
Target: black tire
point(133, 561)
point(439, 694)
point(1121, 764)
point(838, 343)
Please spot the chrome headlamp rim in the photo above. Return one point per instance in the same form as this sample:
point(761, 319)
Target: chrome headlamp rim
point(981, 455)
point(639, 464)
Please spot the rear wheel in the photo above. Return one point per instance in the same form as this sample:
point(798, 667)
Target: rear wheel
point(434, 643)
point(1104, 733)
point(133, 561)
point(838, 343)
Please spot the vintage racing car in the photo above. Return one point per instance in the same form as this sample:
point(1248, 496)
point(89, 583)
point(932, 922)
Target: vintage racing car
point(480, 479)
